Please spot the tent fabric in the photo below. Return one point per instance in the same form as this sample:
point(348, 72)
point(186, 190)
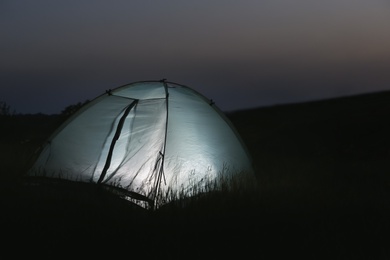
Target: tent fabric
point(145, 137)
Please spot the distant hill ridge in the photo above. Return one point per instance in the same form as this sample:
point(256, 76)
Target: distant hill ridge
point(363, 100)
point(339, 136)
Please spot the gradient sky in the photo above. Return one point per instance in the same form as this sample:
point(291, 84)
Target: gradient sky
point(242, 54)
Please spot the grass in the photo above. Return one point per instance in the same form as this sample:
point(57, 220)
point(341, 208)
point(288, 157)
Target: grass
point(321, 192)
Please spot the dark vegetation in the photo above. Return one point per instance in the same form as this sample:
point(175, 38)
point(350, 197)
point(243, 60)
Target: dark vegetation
point(323, 192)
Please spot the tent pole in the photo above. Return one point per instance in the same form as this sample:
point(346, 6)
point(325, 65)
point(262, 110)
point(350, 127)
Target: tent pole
point(161, 170)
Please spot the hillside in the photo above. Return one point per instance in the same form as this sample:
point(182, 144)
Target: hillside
point(323, 192)
point(341, 141)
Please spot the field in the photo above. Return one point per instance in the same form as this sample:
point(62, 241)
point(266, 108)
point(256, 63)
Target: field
point(322, 192)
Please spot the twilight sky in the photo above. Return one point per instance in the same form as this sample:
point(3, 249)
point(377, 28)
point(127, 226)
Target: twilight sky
point(242, 54)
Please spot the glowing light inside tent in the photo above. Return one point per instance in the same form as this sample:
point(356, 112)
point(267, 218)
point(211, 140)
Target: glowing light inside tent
point(142, 137)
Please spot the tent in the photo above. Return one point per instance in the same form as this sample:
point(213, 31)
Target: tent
point(145, 138)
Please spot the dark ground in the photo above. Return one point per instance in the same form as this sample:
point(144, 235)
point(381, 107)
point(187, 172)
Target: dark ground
point(323, 193)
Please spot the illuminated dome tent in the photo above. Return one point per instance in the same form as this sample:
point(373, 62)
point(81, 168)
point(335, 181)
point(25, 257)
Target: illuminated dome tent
point(145, 138)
